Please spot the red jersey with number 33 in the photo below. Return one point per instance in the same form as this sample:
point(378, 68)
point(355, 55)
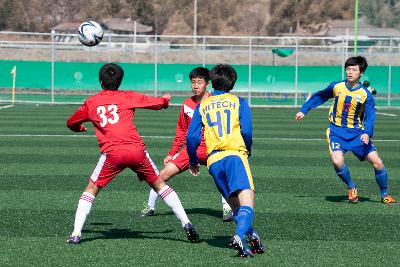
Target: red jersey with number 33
point(111, 113)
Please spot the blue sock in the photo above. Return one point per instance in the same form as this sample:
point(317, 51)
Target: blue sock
point(381, 177)
point(244, 220)
point(344, 174)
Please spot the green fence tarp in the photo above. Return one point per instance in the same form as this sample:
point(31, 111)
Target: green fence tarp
point(175, 77)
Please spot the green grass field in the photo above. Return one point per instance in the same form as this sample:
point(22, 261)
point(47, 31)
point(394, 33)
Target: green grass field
point(301, 209)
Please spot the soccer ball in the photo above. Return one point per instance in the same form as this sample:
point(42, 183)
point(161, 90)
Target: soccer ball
point(90, 33)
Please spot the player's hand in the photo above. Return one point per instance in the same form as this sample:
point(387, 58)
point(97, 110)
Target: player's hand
point(167, 96)
point(365, 138)
point(82, 128)
point(194, 170)
point(299, 116)
point(167, 159)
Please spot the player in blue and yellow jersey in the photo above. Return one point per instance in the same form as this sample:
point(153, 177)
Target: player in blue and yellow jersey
point(352, 118)
point(226, 120)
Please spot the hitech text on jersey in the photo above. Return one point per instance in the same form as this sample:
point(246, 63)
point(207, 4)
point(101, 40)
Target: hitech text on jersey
point(352, 108)
point(220, 117)
point(226, 119)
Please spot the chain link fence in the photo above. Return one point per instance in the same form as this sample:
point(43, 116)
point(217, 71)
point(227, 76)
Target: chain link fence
point(272, 71)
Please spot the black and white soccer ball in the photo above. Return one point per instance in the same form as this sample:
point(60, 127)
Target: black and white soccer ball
point(90, 33)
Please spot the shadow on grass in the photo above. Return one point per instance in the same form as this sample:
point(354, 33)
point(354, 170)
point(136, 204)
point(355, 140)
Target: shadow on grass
point(218, 241)
point(126, 234)
point(114, 233)
point(204, 211)
point(344, 199)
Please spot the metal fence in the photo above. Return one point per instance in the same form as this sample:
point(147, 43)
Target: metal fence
point(271, 70)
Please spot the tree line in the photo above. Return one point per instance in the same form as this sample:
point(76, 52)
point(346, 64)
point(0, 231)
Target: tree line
point(224, 17)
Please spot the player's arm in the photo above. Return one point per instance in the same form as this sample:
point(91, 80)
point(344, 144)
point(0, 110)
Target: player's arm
point(369, 118)
point(315, 100)
point(138, 100)
point(193, 139)
point(180, 134)
point(74, 123)
point(246, 125)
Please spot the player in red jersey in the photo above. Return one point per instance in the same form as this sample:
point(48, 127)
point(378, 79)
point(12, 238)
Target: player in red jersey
point(177, 160)
point(111, 112)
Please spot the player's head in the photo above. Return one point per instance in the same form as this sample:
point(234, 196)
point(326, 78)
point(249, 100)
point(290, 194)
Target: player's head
point(366, 83)
point(355, 67)
point(199, 78)
point(110, 76)
point(223, 77)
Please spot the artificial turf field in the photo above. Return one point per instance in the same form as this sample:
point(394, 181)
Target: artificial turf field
point(301, 209)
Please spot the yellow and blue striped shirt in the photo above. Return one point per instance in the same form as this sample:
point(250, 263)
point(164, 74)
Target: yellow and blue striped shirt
point(352, 110)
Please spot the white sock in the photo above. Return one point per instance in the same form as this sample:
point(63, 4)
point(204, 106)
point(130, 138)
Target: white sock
point(83, 210)
point(225, 205)
point(172, 200)
point(152, 199)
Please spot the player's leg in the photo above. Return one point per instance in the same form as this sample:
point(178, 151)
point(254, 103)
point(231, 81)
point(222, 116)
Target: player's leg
point(233, 178)
point(170, 198)
point(84, 207)
point(343, 172)
point(381, 176)
point(227, 213)
point(169, 170)
point(101, 176)
point(341, 169)
point(336, 150)
point(147, 171)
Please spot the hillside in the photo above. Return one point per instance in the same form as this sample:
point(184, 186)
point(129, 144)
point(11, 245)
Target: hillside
point(175, 17)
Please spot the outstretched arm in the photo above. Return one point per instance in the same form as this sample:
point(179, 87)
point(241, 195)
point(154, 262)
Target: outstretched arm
point(74, 123)
point(315, 100)
point(138, 100)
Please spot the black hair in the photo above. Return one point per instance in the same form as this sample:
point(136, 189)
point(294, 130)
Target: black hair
point(223, 77)
point(366, 83)
point(359, 61)
point(200, 72)
point(110, 76)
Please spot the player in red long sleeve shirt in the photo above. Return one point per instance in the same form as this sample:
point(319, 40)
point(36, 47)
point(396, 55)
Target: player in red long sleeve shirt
point(111, 112)
point(177, 160)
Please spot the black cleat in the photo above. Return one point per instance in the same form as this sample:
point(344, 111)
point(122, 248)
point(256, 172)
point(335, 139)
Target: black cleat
point(191, 233)
point(256, 246)
point(241, 246)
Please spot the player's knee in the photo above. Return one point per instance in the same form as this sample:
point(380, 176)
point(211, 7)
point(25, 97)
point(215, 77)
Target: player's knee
point(337, 162)
point(164, 175)
point(378, 165)
point(157, 185)
point(92, 189)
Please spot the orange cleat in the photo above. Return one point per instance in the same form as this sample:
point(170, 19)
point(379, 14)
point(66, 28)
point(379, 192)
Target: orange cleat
point(353, 195)
point(388, 200)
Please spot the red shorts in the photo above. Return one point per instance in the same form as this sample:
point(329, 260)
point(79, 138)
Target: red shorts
point(112, 163)
point(181, 159)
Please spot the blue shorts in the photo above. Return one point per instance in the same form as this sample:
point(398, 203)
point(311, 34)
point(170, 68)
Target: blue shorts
point(231, 173)
point(355, 145)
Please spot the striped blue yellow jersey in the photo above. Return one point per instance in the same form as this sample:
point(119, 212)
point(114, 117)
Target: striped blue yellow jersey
point(352, 110)
point(226, 120)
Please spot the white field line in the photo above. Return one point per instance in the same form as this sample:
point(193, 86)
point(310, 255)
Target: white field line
point(7, 106)
point(387, 114)
point(171, 137)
